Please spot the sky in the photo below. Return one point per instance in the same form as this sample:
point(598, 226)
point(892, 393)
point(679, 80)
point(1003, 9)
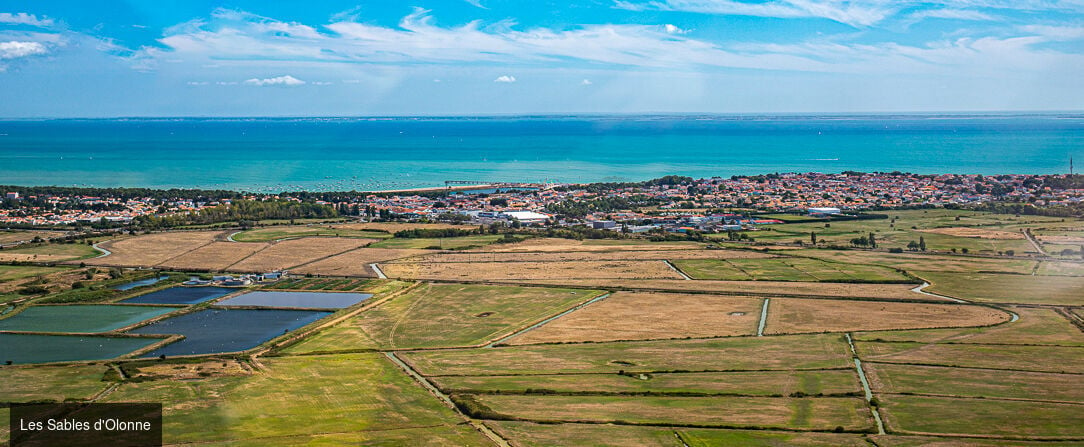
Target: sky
point(94, 58)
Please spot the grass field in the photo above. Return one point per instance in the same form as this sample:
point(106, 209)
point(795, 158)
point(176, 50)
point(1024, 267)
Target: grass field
point(609, 255)
point(753, 412)
point(982, 383)
point(795, 316)
point(11, 236)
point(447, 243)
point(544, 435)
point(1061, 268)
point(637, 316)
point(930, 441)
point(761, 383)
point(48, 253)
point(445, 315)
point(215, 256)
point(296, 398)
point(354, 262)
point(289, 253)
point(922, 262)
point(57, 383)
point(785, 269)
point(284, 232)
point(566, 245)
point(769, 288)
point(481, 271)
point(13, 272)
point(917, 414)
point(1036, 326)
point(725, 354)
point(154, 249)
point(999, 288)
point(1027, 358)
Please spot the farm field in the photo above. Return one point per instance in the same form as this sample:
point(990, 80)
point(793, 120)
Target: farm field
point(625, 255)
point(724, 354)
point(794, 316)
point(533, 434)
point(30, 383)
point(1025, 358)
point(640, 315)
point(8, 237)
point(447, 243)
point(293, 252)
point(1037, 326)
point(761, 383)
point(154, 249)
point(978, 383)
point(730, 412)
point(999, 288)
point(275, 405)
point(923, 262)
point(354, 262)
point(48, 253)
point(216, 256)
point(13, 272)
point(786, 269)
point(923, 415)
point(283, 232)
point(532, 270)
point(539, 244)
point(437, 315)
point(758, 288)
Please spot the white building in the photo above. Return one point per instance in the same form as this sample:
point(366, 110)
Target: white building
point(825, 211)
point(527, 217)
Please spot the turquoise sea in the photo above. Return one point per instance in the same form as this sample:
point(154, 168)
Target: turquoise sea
point(389, 153)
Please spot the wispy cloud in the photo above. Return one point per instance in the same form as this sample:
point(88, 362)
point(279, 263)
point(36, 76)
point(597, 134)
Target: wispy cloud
point(476, 3)
point(505, 79)
point(279, 80)
point(16, 49)
point(22, 18)
point(856, 13)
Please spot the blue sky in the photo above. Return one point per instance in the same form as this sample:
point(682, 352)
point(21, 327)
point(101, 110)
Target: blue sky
point(448, 57)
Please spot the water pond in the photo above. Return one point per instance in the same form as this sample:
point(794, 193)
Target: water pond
point(181, 295)
point(301, 300)
point(226, 330)
point(80, 318)
point(30, 348)
point(140, 283)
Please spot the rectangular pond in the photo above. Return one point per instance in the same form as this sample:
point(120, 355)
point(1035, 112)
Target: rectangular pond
point(300, 300)
point(210, 331)
point(140, 283)
point(181, 295)
point(31, 348)
point(83, 318)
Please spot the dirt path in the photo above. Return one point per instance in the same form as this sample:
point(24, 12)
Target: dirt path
point(1034, 243)
point(865, 386)
point(379, 273)
point(763, 318)
point(674, 268)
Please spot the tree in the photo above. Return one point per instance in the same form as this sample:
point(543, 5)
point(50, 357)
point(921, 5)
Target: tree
point(872, 241)
point(813, 237)
point(922, 243)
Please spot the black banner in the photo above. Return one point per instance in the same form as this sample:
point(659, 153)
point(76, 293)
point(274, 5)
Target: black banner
point(86, 425)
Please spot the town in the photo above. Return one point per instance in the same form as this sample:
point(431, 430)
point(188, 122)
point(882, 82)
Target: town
point(672, 203)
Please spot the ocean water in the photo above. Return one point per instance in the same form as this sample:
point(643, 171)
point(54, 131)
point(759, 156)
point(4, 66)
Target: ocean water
point(379, 154)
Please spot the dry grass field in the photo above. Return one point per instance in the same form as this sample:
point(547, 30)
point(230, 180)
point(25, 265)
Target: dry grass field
point(773, 288)
point(768, 412)
point(216, 256)
point(759, 383)
point(724, 354)
point(484, 271)
point(978, 383)
point(439, 315)
point(1061, 268)
point(1038, 326)
point(925, 262)
point(294, 252)
point(625, 255)
point(981, 233)
point(8, 237)
point(1001, 288)
point(640, 316)
point(1025, 358)
point(531, 434)
point(1034, 420)
point(566, 245)
point(392, 227)
point(795, 316)
point(154, 249)
point(355, 262)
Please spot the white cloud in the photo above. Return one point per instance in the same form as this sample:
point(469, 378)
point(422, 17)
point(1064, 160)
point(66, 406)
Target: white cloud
point(476, 3)
point(279, 80)
point(855, 13)
point(586, 82)
point(945, 13)
point(506, 79)
point(672, 29)
point(23, 18)
point(197, 83)
point(16, 49)
point(1058, 33)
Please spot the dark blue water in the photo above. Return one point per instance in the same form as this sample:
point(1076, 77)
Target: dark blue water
point(182, 295)
point(26, 348)
point(140, 283)
point(311, 300)
point(344, 154)
point(226, 330)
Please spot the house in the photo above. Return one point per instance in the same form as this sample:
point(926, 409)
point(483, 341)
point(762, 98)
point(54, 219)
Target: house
point(527, 217)
point(824, 211)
